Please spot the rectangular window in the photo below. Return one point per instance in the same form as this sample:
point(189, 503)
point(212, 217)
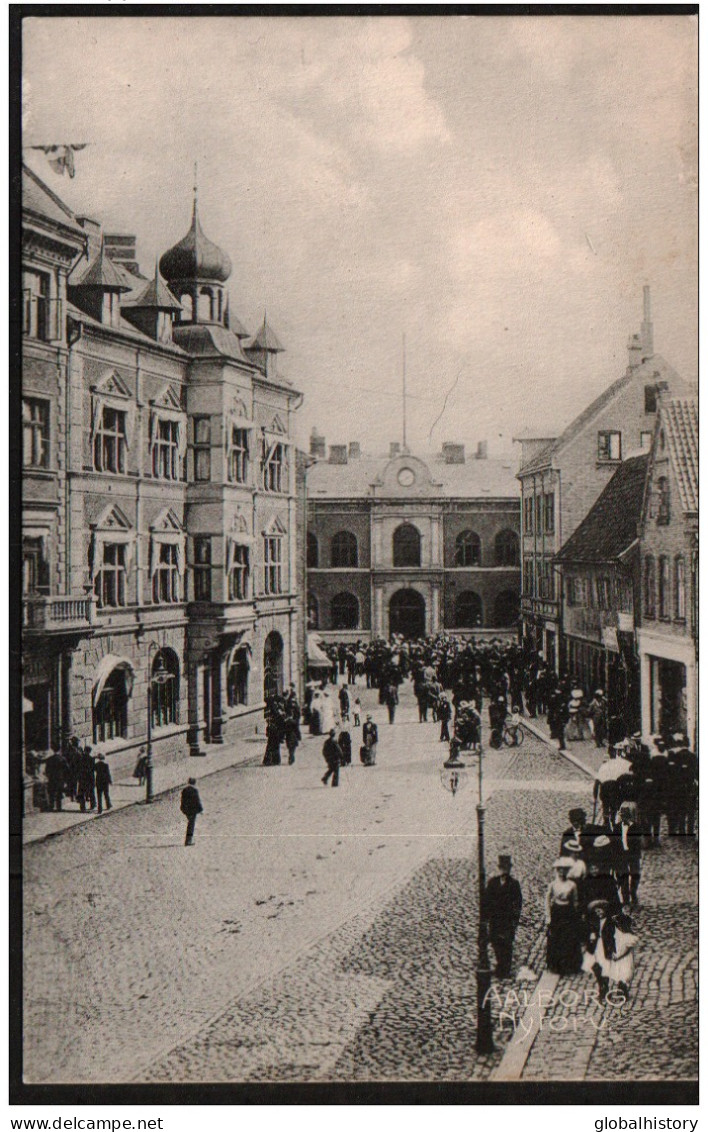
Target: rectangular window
point(274, 466)
point(609, 446)
point(603, 593)
point(202, 568)
point(645, 440)
point(109, 443)
point(272, 565)
point(679, 589)
point(529, 577)
point(238, 456)
point(36, 306)
point(238, 574)
point(570, 591)
point(549, 501)
point(650, 398)
point(35, 433)
point(165, 577)
point(165, 451)
point(202, 449)
point(528, 515)
point(109, 585)
point(664, 587)
point(538, 500)
point(546, 580)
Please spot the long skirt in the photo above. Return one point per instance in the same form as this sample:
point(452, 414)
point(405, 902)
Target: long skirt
point(563, 951)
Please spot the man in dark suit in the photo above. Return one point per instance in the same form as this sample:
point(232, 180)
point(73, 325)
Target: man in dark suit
point(501, 910)
point(627, 837)
point(191, 805)
point(56, 770)
point(103, 781)
point(333, 757)
point(578, 830)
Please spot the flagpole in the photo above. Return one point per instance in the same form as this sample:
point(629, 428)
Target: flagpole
point(405, 446)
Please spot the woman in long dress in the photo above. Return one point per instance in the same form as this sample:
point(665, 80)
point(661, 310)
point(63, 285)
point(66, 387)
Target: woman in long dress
point(563, 951)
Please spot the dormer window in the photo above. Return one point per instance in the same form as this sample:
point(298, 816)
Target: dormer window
point(609, 446)
point(663, 508)
point(650, 398)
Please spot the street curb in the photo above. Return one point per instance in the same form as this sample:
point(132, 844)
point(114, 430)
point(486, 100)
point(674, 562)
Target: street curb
point(516, 1054)
point(248, 760)
point(550, 743)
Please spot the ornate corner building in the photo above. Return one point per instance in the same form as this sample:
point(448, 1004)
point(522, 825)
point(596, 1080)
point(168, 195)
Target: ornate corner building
point(411, 546)
point(160, 494)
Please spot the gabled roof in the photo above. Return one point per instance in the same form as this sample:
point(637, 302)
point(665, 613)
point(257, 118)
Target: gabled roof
point(653, 368)
point(475, 479)
point(156, 295)
point(680, 420)
point(39, 199)
point(610, 527)
point(265, 339)
point(102, 274)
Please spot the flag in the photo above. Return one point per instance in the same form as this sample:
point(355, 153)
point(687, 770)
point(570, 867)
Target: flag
point(61, 157)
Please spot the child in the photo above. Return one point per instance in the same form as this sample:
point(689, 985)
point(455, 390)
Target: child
point(357, 712)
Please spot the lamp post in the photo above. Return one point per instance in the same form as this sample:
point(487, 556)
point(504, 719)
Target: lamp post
point(453, 776)
point(160, 676)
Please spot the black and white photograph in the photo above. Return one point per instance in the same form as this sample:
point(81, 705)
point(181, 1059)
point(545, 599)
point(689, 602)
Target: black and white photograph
point(354, 558)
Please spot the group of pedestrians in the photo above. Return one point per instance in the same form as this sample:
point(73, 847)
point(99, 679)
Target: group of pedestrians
point(282, 720)
point(75, 775)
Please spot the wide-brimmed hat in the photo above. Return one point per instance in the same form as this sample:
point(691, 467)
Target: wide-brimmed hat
point(600, 902)
point(572, 846)
point(601, 842)
point(679, 737)
point(563, 863)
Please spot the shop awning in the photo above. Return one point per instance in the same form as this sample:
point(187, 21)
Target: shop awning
point(105, 667)
point(316, 658)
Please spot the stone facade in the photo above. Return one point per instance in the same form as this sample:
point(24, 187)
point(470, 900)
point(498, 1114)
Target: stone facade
point(160, 549)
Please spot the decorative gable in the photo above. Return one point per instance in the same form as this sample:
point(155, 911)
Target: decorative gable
point(112, 385)
point(238, 408)
point(276, 527)
point(168, 398)
point(239, 524)
point(167, 522)
point(112, 519)
point(278, 426)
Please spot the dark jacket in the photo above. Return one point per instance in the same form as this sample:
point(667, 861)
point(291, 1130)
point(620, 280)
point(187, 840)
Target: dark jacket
point(630, 857)
point(332, 752)
point(56, 769)
point(103, 774)
point(191, 803)
point(369, 733)
point(502, 903)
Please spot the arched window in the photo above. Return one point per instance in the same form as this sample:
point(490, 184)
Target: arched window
point(187, 311)
point(273, 665)
point(345, 551)
point(313, 612)
point(664, 586)
point(468, 549)
point(313, 551)
point(506, 549)
point(110, 712)
point(165, 689)
point(468, 610)
point(237, 678)
point(506, 609)
point(649, 587)
point(663, 501)
point(206, 305)
point(406, 545)
point(344, 611)
point(679, 588)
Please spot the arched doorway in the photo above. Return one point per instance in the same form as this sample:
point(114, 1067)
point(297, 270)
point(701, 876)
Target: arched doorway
point(273, 665)
point(468, 610)
point(406, 614)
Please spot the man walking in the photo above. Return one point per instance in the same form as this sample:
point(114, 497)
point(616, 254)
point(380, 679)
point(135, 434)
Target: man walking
point(56, 770)
point(501, 911)
point(103, 781)
point(191, 805)
point(628, 855)
point(333, 757)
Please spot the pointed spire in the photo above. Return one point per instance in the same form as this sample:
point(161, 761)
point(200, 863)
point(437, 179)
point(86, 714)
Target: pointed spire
point(102, 274)
point(156, 295)
point(196, 193)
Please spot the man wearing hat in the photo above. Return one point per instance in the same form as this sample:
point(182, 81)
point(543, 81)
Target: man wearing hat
point(333, 757)
point(627, 836)
point(501, 911)
point(191, 805)
point(576, 831)
point(597, 710)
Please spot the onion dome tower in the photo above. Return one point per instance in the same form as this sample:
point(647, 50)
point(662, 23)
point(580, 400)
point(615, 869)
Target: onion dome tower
point(97, 291)
point(154, 309)
point(196, 270)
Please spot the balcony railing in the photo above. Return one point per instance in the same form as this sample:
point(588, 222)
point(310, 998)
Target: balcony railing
point(58, 614)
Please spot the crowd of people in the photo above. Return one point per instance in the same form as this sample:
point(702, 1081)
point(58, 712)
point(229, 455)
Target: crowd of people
point(76, 775)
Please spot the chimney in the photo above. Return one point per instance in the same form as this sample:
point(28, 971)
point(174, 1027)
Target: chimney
point(318, 448)
point(354, 450)
point(481, 453)
point(647, 332)
point(453, 453)
point(338, 454)
point(634, 350)
point(122, 250)
point(394, 450)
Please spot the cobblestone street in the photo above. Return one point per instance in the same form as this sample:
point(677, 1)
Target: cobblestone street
point(314, 934)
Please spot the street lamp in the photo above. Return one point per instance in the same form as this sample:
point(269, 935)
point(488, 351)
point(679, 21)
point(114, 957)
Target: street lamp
point(453, 776)
point(160, 676)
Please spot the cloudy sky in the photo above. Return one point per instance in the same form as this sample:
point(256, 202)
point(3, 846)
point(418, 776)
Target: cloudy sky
point(499, 189)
